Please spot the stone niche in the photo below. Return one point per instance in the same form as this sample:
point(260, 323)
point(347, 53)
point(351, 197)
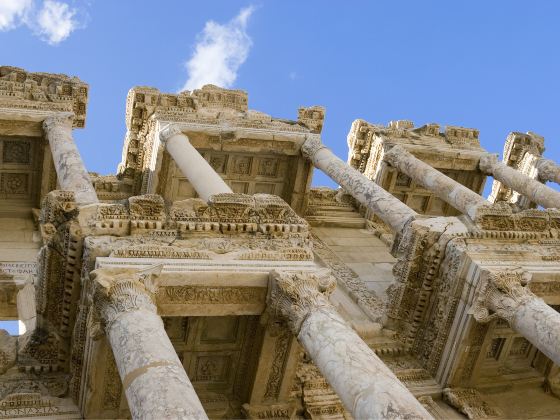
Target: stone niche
point(455, 153)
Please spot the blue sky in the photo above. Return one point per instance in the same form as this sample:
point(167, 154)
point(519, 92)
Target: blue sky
point(491, 65)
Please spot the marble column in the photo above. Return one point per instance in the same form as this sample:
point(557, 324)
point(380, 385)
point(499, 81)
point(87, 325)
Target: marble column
point(504, 296)
point(196, 169)
point(386, 206)
point(153, 378)
point(366, 386)
point(531, 188)
point(449, 190)
point(548, 170)
point(70, 169)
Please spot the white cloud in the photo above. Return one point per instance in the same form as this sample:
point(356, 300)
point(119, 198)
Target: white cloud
point(55, 21)
point(13, 12)
point(220, 51)
point(51, 20)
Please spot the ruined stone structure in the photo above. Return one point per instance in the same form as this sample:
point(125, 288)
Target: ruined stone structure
point(208, 279)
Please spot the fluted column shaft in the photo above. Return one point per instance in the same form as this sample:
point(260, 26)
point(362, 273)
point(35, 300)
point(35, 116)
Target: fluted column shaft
point(153, 378)
point(505, 297)
point(449, 190)
point(70, 169)
point(548, 170)
point(196, 169)
point(531, 188)
point(366, 386)
point(386, 206)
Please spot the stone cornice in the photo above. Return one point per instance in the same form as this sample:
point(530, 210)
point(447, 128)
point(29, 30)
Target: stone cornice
point(364, 140)
point(43, 92)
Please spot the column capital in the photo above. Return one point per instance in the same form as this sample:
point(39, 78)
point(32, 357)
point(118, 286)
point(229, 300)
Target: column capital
point(547, 169)
point(116, 291)
point(169, 131)
point(292, 296)
point(502, 293)
point(59, 119)
point(487, 162)
point(311, 146)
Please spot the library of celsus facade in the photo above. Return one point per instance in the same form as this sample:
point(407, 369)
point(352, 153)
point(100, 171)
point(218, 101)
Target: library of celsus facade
point(207, 278)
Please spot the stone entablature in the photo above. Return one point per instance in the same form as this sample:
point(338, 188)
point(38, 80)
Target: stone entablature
point(43, 93)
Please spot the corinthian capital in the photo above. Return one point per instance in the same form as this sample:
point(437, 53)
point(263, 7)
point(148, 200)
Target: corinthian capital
point(311, 146)
point(64, 119)
point(294, 295)
point(502, 293)
point(487, 162)
point(169, 131)
point(547, 169)
point(116, 291)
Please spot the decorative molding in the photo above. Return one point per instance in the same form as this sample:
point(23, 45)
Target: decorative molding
point(211, 295)
point(40, 92)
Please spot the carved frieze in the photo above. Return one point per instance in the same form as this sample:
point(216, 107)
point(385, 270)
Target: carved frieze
point(211, 295)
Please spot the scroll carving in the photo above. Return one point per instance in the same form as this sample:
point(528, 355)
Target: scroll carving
point(294, 295)
point(117, 291)
point(501, 295)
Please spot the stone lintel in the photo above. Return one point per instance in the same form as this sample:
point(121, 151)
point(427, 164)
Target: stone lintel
point(204, 135)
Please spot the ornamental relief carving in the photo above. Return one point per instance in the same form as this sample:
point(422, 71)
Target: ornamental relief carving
point(211, 295)
point(293, 249)
point(501, 293)
point(293, 295)
point(114, 291)
point(16, 152)
point(225, 213)
point(42, 91)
